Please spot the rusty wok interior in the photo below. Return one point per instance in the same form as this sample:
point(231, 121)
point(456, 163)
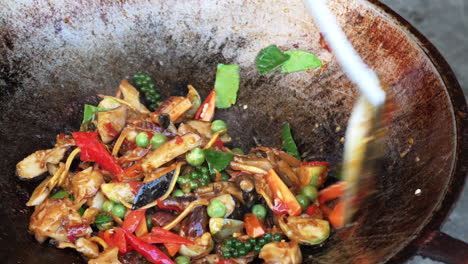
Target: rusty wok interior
point(58, 55)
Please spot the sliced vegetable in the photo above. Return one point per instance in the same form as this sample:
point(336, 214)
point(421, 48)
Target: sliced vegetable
point(281, 252)
point(132, 96)
point(313, 173)
point(93, 150)
point(203, 246)
point(195, 99)
point(253, 227)
point(226, 85)
point(170, 150)
point(222, 228)
point(336, 216)
point(288, 142)
point(300, 60)
point(155, 190)
point(133, 219)
point(172, 249)
point(269, 59)
point(150, 252)
point(206, 110)
point(117, 191)
point(284, 200)
point(159, 236)
point(305, 230)
point(332, 192)
point(196, 157)
point(217, 159)
point(174, 106)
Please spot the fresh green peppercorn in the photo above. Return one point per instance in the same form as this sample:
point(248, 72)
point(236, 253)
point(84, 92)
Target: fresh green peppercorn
point(261, 241)
point(194, 185)
point(268, 237)
point(142, 139)
point(104, 226)
point(182, 260)
point(119, 210)
point(216, 209)
point(203, 170)
point(242, 252)
point(196, 175)
point(235, 253)
point(310, 192)
point(196, 157)
point(225, 176)
point(259, 211)
point(206, 177)
point(257, 248)
point(253, 241)
point(107, 206)
point(157, 140)
point(303, 201)
point(183, 180)
point(218, 125)
point(238, 151)
point(203, 183)
point(237, 244)
point(227, 254)
point(248, 246)
point(277, 237)
point(177, 193)
point(228, 243)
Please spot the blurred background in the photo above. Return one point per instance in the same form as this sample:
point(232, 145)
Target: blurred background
point(445, 24)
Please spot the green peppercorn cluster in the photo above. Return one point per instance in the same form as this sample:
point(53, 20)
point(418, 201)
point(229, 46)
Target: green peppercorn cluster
point(234, 248)
point(146, 85)
point(200, 176)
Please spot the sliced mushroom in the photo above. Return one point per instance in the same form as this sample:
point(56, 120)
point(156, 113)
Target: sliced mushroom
point(35, 164)
point(87, 247)
point(86, 183)
point(132, 96)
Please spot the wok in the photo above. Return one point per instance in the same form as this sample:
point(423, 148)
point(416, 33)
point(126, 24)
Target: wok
point(58, 55)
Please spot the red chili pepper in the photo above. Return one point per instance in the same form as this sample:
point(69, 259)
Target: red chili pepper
point(93, 150)
point(153, 239)
point(253, 227)
point(115, 238)
point(284, 199)
point(172, 249)
point(75, 230)
point(150, 252)
point(332, 192)
point(219, 143)
point(311, 210)
point(135, 186)
point(133, 219)
point(160, 233)
point(162, 206)
point(179, 140)
point(316, 163)
point(336, 216)
point(227, 261)
point(206, 110)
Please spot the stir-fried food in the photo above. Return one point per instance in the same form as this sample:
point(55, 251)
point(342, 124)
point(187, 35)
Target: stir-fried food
point(168, 185)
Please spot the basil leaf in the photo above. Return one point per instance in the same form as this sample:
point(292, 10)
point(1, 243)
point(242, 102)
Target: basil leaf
point(90, 112)
point(59, 195)
point(288, 142)
point(300, 60)
point(217, 159)
point(226, 85)
point(269, 59)
point(103, 218)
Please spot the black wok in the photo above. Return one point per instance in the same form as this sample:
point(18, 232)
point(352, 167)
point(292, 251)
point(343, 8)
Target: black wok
point(58, 55)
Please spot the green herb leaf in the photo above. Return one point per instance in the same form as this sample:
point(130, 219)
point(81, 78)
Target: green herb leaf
point(269, 59)
point(60, 195)
point(103, 218)
point(82, 210)
point(300, 60)
point(226, 85)
point(217, 159)
point(288, 142)
point(90, 112)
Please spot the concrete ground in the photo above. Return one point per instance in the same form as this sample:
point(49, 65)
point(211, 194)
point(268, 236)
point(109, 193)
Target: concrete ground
point(445, 24)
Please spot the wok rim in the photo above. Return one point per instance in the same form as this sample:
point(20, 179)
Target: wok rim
point(460, 116)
